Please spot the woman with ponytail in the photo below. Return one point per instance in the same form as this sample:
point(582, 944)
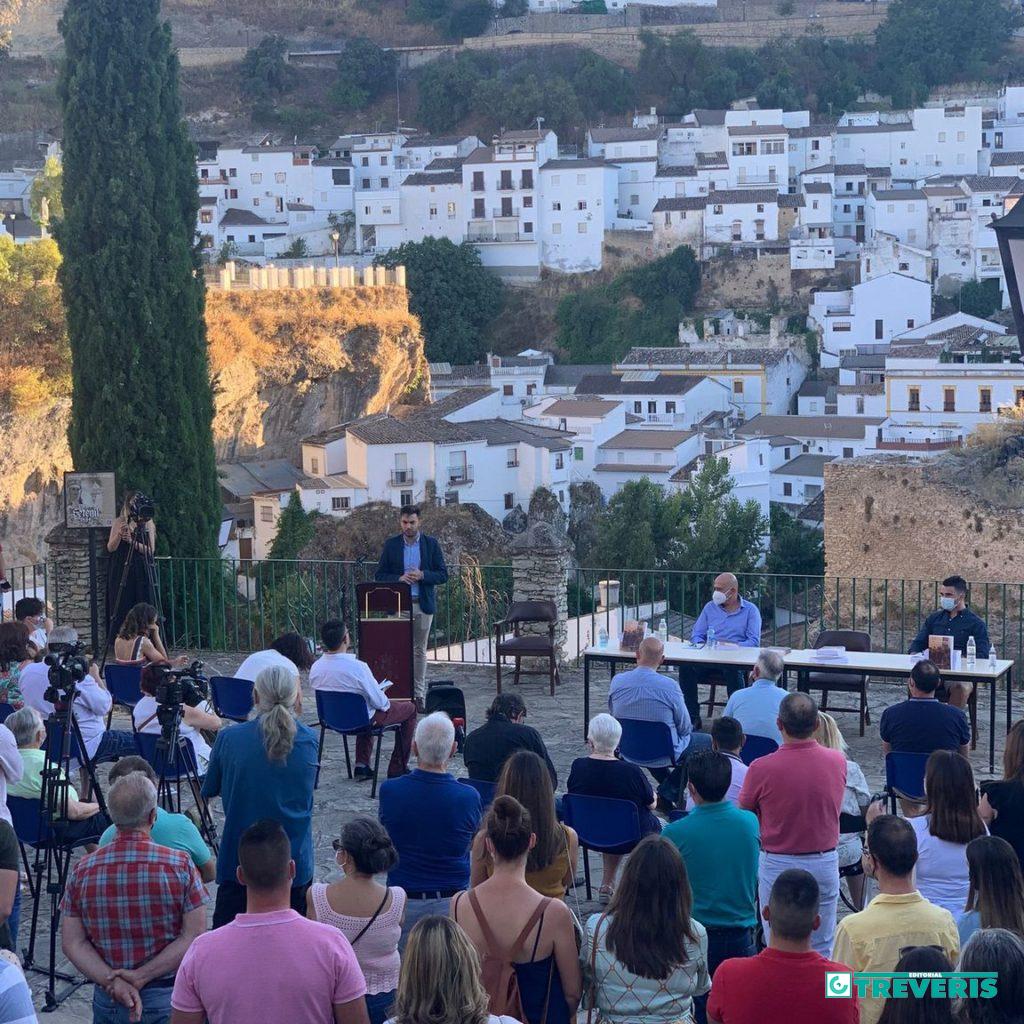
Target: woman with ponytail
point(265, 768)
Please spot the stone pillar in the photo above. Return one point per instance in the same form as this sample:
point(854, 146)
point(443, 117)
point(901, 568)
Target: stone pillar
point(71, 582)
point(541, 558)
point(400, 276)
point(380, 276)
point(334, 277)
point(321, 277)
point(225, 279)
point(367, 277)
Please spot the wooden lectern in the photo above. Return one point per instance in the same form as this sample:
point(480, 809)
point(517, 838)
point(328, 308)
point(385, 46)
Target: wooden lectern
point(385, 634)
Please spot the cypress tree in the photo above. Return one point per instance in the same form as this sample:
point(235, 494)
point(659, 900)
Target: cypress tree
point(142, 403)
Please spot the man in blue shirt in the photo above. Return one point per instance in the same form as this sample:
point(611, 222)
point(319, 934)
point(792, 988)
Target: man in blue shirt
point(643, 694)
point(922, 724)
point(736, 622)
point(432, 819)
point(756, 707)
point(954, 619)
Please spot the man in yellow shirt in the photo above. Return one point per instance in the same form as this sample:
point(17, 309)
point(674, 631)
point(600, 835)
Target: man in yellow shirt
point(899, 917)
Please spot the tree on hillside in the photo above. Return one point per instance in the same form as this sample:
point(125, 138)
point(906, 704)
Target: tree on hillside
point(46, 201)
point(794, 549)
point(295, 529)
point(365, 71)
point(452, 293)
point(981, 298)
point(142, 404)
point(264, 70)
point(469, 18)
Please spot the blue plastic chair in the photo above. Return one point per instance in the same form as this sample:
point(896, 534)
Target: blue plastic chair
point(232, 698)
point(485, 789)
point(123, 683)
point(755, 747)
point(6, 710)
point(602, 824)
point(55, 737)
point(177, 767)
point(644, 742)
point(348, 715)
point(904, 776)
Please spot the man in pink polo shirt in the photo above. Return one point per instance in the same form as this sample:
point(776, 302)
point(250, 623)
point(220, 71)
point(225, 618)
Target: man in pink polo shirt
point(269, 964)
point(796, 794)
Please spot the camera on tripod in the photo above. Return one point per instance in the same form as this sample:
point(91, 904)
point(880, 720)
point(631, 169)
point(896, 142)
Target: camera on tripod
point(176, 687)
point(140, 508)
point(67, 668)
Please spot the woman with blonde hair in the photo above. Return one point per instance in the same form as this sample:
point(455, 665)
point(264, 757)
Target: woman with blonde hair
point(1002, 802)
point(855, 802)
point(439, 982)
point(265, 768)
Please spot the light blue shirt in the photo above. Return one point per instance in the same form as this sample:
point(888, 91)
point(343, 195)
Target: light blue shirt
point(756, 708)
point(411, 560)
point(742, 626)
point(967, 925)
point(644, 694)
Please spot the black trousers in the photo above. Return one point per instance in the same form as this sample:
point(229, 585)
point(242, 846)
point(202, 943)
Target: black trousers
point(231, 901)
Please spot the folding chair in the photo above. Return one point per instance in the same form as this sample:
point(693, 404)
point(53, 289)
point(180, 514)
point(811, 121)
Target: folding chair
point(602, 824)
point(232, 698)
point(347, 715)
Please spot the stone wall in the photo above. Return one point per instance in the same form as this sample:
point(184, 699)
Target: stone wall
point(71, 582)
point(888, 517)
point(540, 563)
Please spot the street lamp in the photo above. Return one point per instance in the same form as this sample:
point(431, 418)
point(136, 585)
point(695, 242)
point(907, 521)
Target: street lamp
point(1009, 232)
point(336, 238)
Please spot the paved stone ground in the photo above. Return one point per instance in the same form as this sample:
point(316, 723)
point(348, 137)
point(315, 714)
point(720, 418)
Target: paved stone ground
point(560, 720)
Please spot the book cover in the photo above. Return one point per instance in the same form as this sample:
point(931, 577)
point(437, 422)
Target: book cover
point(940, 652)
point(632, 635)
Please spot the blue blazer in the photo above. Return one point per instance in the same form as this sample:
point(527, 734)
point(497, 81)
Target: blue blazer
point(392, 565)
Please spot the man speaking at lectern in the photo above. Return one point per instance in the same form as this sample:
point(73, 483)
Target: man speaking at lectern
point(414, 558)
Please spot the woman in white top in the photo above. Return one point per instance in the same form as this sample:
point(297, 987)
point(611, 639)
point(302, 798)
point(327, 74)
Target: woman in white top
point(440, 978)
point(192, 719)
point(855, 801)
point(289, 650)
point(950, 822)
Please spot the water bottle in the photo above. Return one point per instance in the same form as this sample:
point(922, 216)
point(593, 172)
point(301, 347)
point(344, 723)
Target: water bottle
point(602, 637)
point(992, 658)
point(972, 652)
point(710, 642)
point(663, 631)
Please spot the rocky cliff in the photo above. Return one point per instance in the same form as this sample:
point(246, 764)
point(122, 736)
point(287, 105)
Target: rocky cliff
point(285, 364)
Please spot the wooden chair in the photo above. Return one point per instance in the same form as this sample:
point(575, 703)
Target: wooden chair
point(843, 682)
point(518, 645)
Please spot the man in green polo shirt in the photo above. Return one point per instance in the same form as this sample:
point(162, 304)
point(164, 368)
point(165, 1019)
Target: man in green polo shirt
point(720, 845)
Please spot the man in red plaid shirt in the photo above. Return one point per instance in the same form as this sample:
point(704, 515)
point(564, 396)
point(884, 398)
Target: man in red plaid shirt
point(130, 912)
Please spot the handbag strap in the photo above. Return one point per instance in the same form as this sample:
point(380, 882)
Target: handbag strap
point(593, 968)
point(376, 914)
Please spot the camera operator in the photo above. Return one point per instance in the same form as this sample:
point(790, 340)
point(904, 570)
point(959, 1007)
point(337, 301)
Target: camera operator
point(193, 719)
point(92, 702)
point(132, 531)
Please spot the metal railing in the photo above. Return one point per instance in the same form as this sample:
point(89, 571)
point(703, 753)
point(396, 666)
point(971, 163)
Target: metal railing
point(25, 581)
point(401, 477)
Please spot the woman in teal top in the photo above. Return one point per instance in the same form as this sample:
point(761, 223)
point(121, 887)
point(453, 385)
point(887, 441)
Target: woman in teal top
point(646, 958)
point(995, 898)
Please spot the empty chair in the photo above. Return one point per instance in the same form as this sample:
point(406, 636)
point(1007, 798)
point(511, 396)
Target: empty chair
point(232, 698)
point(519, 645)
point(757, 746)
point(123, 683)
point(843, 682)
point(347, 715)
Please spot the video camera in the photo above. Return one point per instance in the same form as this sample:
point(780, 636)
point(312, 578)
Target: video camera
point(179, 686)
point(67, 668)
point(141, 508)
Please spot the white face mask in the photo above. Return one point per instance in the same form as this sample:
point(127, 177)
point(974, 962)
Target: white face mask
point(719, 597)
point(947, 604)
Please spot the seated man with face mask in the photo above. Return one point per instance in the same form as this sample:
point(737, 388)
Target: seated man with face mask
point(736, 623)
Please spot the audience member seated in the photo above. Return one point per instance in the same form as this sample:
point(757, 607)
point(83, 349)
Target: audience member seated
point(646, 955)
point(994, 951)
point(289, 651)
point(85, 821)
point(603, 774)
point(517, 931)
point(921, 723)
point(32, 612)
point(956, 620)
point(796, 794)
point(92, 703)
point(265, 768)
point(927, 1008)
point(1002, 802)
point(736, 623)
point(193, 720)
point(488, 747)
point(177, 831)
point(855, 802)
point(551, 865)
point(898, 917)
point(270, 963)
point(727, 738)
point(440, 978)
point(15, 995)
point(138, 640)
point(10, 889)
point(338, 671)
point(756, 707)
point(368, 914)
point(949, 823)
point(785, 983)
point(15, 655)
point(130, 939)
point(720, 845)
point(645, 695)
point(995, 898)
point(432, 819)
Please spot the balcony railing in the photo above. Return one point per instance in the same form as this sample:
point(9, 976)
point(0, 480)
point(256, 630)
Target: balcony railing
point(889, 441)
point(458, 475)
point(512, 464)
point(402, 477)
point(504, 214)
point(497, 236)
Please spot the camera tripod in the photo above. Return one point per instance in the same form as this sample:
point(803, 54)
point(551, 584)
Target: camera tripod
point(139, 535)
point(49, 869)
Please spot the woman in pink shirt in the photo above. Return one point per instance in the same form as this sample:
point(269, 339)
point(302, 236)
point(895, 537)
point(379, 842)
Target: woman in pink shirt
point(368, 914)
